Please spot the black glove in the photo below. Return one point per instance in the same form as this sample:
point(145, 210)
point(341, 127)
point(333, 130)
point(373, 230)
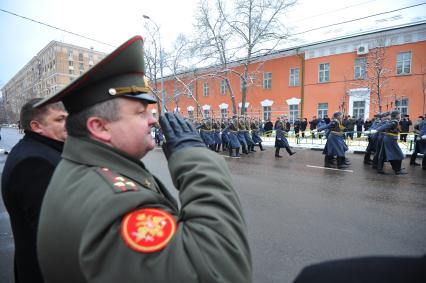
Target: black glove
point(178, 133)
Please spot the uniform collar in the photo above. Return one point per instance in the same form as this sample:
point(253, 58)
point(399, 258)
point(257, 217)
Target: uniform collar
point(93, 153)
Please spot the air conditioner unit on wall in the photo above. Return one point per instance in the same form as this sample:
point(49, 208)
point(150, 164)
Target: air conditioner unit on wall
point(362, 49)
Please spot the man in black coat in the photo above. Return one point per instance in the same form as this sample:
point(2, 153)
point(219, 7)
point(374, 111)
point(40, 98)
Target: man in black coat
point(313, 124)
point(296, 126)
point(349, 124)
point(25, 178)
point(359, 123)
point(303, 126)
point(405, 124)
point(268, 128)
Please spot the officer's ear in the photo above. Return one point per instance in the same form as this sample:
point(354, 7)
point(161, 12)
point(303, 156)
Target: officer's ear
point(99, 129)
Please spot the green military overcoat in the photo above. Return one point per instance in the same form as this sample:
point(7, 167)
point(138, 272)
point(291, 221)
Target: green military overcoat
point(97, 193)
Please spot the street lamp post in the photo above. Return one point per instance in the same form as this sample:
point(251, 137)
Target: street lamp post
point(163, 99)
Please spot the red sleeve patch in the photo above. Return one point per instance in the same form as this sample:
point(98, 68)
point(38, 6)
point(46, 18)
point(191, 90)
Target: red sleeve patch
point(148, 229)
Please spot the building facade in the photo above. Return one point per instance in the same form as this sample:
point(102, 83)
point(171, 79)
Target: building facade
point(359, 75)
point(54, 67)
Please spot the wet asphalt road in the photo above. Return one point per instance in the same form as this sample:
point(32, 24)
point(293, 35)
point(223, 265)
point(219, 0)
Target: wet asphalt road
point(297, 215)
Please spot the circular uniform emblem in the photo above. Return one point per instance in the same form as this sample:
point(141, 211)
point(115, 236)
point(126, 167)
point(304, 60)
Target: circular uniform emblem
point(148, 229)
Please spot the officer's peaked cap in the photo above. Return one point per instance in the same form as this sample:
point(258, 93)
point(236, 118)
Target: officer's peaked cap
point(120, 74)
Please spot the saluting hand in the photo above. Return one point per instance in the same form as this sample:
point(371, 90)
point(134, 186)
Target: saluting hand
point(178, 133)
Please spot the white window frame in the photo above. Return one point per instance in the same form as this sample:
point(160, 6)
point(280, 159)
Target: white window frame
point(402, 108)
point(267, 112)
point(223, 87)
point(267, 80)
point(321, 110)
point(403, 60)
point(324, 72)
point(355, 109)
point(360, 68)
point(293, 114)
point(294, 76)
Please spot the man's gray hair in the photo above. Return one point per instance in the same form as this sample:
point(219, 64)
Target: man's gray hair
point(76, 122)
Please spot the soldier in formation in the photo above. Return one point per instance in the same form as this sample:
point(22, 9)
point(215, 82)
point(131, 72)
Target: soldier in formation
point(281, 140)
point(389, 148)
point(335, 145)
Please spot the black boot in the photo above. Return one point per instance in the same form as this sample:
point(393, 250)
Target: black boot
point(341, 162)
point(230, 152)
point(327, 161)
point(367, 159)
point(289, 151)
point(261, 147)
point(252, 148)
point(347, 162)
point(244, 149)
point(277, 152)
point(237, 152)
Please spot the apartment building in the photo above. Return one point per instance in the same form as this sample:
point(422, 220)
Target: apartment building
point(54, 67)
point(317, 79)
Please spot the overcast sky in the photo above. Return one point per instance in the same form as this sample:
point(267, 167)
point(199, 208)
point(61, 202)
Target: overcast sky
point(114, 22)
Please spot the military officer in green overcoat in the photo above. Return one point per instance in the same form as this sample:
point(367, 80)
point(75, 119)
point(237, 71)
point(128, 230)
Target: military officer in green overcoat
point(106, 218)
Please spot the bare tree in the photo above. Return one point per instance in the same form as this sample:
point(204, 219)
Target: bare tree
point(240, 32)
point(179, 67)
point(256, 28)
point(377, 72)
point(213, 36)
point(152, 60)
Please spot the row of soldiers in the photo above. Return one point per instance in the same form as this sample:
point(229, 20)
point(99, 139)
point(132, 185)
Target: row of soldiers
point(232, 134)
point(383, 143)
point(235, 133)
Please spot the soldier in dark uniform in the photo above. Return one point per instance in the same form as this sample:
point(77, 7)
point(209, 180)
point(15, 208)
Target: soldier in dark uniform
point(281, 140)
point(241, 136)
point(216, 135)
point(377, 162)
point(224, 135)
point(206, 134)
point(254, 125)
point(390, 150)
point(106, 218)
point(234, 143)
point(335, 145)
point(250, 142)
point(158, 135)
point(371, 147)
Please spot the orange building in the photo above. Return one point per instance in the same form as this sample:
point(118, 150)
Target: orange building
point(316, 79)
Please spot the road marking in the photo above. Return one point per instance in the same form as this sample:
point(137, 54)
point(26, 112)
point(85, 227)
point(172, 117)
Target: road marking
point(335, 169)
